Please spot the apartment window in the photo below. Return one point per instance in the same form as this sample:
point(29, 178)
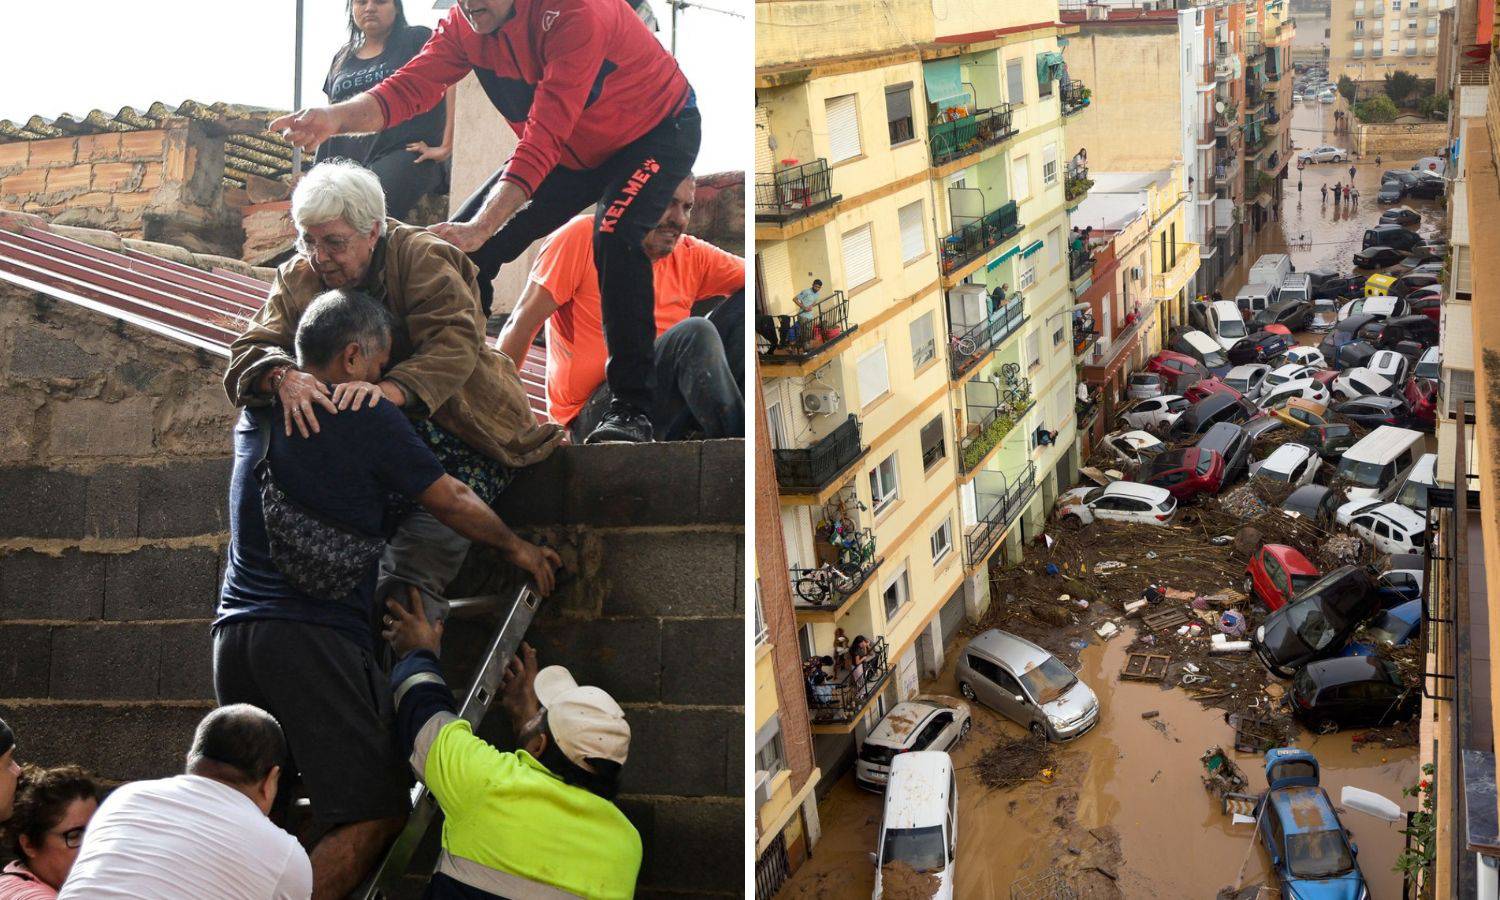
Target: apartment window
point(770, 755)
point(843, 128)
point(859, 257)
point(1033, 350)
point(1395, 6)
point(883, 487)
point(1049, 165)
point(1359, 26)
point(1431, 47)
point(1163, 242)
point(913, 235)
point(941, 541)
point(1411, 48)
point(762, 633)
point(1413, 4)
point(1062, 404)
point(1054, 244)
point(1027, 276)
point(1359, 48)
point(1020, 177)
point(923, 341)
point(778, 429)
point(898, 117)
point(897, 594)
point(874, 377)
point(933, 446)
point(1015, 85)
point(1172, 230)
point(1056, 325)
point(1411, 26)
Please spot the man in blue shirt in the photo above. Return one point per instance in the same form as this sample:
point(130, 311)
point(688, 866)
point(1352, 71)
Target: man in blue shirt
point(309, 661)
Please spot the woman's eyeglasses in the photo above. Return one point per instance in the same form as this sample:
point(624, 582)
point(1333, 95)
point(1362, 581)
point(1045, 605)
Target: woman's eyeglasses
point(73, 837)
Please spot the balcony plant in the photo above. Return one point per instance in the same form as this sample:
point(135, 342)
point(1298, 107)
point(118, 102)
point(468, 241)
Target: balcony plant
point(1076, 186)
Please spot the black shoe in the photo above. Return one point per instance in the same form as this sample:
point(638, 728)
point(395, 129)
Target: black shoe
point(622, 424)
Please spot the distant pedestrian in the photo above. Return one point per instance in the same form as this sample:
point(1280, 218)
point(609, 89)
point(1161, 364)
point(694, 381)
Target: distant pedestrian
point(1351, 174)
point(1377, 160)
point(1324, 189)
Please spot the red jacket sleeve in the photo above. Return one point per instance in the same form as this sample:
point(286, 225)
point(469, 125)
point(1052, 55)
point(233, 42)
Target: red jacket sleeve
point(418, 86)
point(572, 50)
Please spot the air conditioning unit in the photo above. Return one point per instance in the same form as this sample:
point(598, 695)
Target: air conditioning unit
point(1096, 12)
point(820, 400)
point(762, 788)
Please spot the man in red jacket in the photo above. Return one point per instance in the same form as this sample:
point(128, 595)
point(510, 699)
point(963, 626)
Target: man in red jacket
point(604, 115)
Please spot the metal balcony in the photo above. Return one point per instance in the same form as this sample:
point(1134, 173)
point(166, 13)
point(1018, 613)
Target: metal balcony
point(1075, 97)
point(810, 470)
point(802, 339)
point(948, 141)
point(1080, 263)
point(970, 347)
point(980, 236)
point(1013, 404)
point(840, 701)
point(980, 538)
point(793, 192)
point(1076, 181)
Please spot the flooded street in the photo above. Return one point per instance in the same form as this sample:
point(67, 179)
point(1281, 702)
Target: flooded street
point(1123, 812)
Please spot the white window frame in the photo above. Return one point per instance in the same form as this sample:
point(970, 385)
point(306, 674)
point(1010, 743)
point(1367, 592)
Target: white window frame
point(903, 593)
point(1015, 89)
point(837, 113)
point(1020, 178)
point(777, 426)
point(885, 483)
point(912, 252)
point(1033, 350)
point(851, 273)
point(1053, 244)
point(1057, 327)
point(873, 383)
point(1049, 165)
point(944, 532)
point(922, 351)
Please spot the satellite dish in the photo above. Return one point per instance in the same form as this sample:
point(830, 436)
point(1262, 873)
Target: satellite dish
point(1219, 106)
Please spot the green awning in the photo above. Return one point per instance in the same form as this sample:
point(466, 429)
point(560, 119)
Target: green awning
point(944, 82)
point(1049, 66)
point(1002, 258)
point(1035, 246)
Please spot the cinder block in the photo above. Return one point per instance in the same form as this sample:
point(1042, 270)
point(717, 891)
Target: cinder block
point(695, 847)
point(41, 503)
point(26, 663)
point(633, 484)
point(680, 751)
point(623, 656)
point(703, 661)
point(115, 743)
point(34, 585)
point(187, 669)
point(722, 482)
point(186, 498)
point(105, 662)
point(161, 583)
point(93, 428)
point(670, 574)
point(38, 353)
point(112, 504)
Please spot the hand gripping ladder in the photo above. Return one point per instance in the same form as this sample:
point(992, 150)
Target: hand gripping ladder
point(476, 704)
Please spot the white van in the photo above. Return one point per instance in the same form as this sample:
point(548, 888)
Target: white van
point(1254, 297)
point(1381, 460)
point(1231, 323)
point(1271, 268)
point(1413, 492)
point(920, 825)
point(1296, 286)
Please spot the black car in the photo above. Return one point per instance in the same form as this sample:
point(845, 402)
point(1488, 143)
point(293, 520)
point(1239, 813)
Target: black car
point(1391, 236)
point(1377, 257)
point(1343, 333)
point(1208, 412)
point(1314, 501)
point(1329, 440)
point(1352, 692)
point(1429, 186)
point(1355, 354)
point(1374, 410)
point(1419, 329)
point(1339, 287)
point(1390, 191)
point(1260, 346)
point(1407, 177)
point(1417, 256)
point(1413, 280)
point(1411, 350)
point(1318, 622)
point(1294, 314)
point(1401, 215)
point(1229, 441)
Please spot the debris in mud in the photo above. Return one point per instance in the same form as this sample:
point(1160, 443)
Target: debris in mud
point(1008, 764)
point(899, 881)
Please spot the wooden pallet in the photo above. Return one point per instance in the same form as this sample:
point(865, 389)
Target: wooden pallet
point(1145, 667)
point(1162, 620)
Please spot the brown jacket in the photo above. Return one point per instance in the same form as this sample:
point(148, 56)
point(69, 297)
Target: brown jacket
point(440, 358)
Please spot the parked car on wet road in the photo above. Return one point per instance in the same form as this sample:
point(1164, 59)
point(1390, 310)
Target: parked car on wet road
point(925, 722)
point(1027, 685)
point(1357, 691)
point(1317, 622)
point(1309, 848)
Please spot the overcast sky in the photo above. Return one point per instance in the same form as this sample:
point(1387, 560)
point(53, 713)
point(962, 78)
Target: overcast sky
point(105, 54)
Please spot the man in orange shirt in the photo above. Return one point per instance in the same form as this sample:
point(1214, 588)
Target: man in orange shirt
point(697, 382)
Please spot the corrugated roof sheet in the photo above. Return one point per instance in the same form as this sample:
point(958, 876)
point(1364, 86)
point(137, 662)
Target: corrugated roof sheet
point(249, 150)
point(206, 308)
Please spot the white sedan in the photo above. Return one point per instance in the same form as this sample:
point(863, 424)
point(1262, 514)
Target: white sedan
point(1305, 388)
point(1305, 356)
point(1155, 412)
point(1293, 464)
point(1288, 372)
point(1119, 501)
point(1325, 153)
point(1361, 381)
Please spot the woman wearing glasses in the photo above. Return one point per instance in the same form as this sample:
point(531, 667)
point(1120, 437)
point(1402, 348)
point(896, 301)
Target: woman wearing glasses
point(52, 809)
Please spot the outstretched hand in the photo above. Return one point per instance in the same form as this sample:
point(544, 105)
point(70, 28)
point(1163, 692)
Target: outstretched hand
point(518, 686)
point(406, 625)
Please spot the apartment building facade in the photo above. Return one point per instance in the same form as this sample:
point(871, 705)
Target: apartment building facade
point(1269, 34)
point(1369, 39)
point(920, 413)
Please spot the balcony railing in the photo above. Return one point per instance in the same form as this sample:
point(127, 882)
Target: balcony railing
point(967, 350)
point(855, 559)
point(1359, 10)
point(995, 425)
point(1254, 46)
point(1076, 180)
point(801, 339)
point(1080, 263)
point(840, 701)
point(1074, 96)
point(960, 137)
point(980, 236)
point(809, 470)
point(1272, 162)
point(983, 535)
point(793, 192)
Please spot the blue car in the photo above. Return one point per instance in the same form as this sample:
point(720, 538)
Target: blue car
point(1394, 628)
point(1310, 851)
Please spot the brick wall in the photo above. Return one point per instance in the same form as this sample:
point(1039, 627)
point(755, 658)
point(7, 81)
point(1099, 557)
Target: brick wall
point(161, 184)
point(111, 543)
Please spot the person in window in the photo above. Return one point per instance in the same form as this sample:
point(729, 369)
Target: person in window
point(409, 158)
point(52, 810)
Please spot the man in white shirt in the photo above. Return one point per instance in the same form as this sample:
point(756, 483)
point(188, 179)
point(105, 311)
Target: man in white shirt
point(202, 834)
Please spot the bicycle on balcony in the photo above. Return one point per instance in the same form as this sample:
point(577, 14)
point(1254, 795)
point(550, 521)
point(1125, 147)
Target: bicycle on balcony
point(818, 586)
point(963, 346)
point(856, 551)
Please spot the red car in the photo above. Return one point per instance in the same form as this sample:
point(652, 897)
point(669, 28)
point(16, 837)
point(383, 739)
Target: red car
point(1186, 473)
point(1277, 328)
point(1210, 385)
point(1421, 399)
point(1429, 305)
point(1174, 366)
point(1277, 573)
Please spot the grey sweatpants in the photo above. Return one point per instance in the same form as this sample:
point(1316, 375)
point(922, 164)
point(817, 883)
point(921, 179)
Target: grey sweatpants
point(426, 553)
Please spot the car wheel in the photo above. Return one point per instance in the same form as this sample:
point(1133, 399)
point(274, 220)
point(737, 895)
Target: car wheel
point(1326, 726)
point(1072, 522)
point(968, 692)
point(963, 731)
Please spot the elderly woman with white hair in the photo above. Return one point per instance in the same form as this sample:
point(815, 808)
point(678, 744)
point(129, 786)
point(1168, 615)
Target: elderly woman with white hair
point(464, 396)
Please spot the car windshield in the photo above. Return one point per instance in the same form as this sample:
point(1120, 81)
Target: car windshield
point(1414, 495)
point(1231, 328)
point(1147, 380)
point(1364, 474)
point(1388, 630)
point(1303, 683)
point(1301, 583)
point(1318, 854)
point(1310, 625)
point(920, 848)
point(1092, 495)
point(1048, 681)
point(1205, 462)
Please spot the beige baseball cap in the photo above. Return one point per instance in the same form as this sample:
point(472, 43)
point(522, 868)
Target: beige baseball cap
point(585, 720)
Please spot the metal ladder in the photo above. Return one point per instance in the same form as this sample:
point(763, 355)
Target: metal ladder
point(476, 704)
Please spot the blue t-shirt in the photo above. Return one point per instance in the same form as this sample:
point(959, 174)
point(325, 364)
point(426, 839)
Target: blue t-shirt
point(345, 473)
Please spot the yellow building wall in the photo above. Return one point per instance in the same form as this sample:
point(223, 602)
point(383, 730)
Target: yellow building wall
point(953, 17)
point(797, 31)
point(766, 701)
point(1342, 37)
point(1134, 75)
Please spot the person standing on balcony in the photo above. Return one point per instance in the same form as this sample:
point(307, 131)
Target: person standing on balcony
point(409, 157)
point(604, 116)
point(807, 304)
point(997, 298)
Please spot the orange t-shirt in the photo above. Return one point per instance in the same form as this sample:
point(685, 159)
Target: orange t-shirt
point(576, 351)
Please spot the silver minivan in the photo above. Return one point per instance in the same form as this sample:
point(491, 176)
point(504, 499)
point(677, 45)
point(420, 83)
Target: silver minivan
point(1027, 685)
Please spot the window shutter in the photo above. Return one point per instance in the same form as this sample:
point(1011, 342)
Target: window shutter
point(1020, 170)
point(765, 161)
point(913, 242)
point(859, 257)
point(874, 376)
point(843, 128)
